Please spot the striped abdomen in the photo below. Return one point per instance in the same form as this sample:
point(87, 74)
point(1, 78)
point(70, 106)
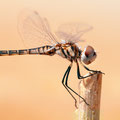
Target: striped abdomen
point(45, 50)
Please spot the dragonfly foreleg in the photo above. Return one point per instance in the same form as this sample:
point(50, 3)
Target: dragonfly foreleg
point(94, 71)
point(82, 77)
point(78, 73)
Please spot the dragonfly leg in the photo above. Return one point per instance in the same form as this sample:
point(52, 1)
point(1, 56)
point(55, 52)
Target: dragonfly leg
point(94, 71)
point(78, 72)
point(67, 71)
point(66, 83)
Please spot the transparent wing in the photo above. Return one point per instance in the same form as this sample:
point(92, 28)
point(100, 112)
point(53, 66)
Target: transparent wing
point(72, 32)
point(35, 30)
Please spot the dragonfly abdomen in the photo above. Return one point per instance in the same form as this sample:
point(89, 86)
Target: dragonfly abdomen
point(39, 50)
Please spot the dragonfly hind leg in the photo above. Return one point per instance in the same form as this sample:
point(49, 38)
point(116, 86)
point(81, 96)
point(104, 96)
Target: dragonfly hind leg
point(67, 87)
point(63, 80)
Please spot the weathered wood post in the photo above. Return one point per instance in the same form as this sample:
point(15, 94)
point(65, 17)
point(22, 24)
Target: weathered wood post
point(90, 89)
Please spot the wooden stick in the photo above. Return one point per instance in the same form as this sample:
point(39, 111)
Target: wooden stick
point(90, 89)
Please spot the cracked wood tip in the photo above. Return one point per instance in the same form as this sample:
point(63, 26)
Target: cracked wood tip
point(90, 89)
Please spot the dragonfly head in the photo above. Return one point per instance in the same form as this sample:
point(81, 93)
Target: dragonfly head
point(88, 55)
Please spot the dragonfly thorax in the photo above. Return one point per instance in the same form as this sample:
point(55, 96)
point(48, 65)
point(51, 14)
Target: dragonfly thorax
point(69, 51)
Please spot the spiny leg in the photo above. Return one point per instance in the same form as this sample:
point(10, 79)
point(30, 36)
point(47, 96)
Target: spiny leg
point(71, 88)
point(82, 77)
point(95, 71)
point(68, 69)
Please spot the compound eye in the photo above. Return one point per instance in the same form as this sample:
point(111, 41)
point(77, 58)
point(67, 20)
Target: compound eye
point(89, 50)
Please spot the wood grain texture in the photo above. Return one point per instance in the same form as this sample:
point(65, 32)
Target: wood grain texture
point(90, 89)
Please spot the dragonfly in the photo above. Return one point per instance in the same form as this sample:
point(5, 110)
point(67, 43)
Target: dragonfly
point(34, 28)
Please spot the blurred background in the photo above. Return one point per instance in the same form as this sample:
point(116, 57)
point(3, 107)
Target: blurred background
point(30, 86)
